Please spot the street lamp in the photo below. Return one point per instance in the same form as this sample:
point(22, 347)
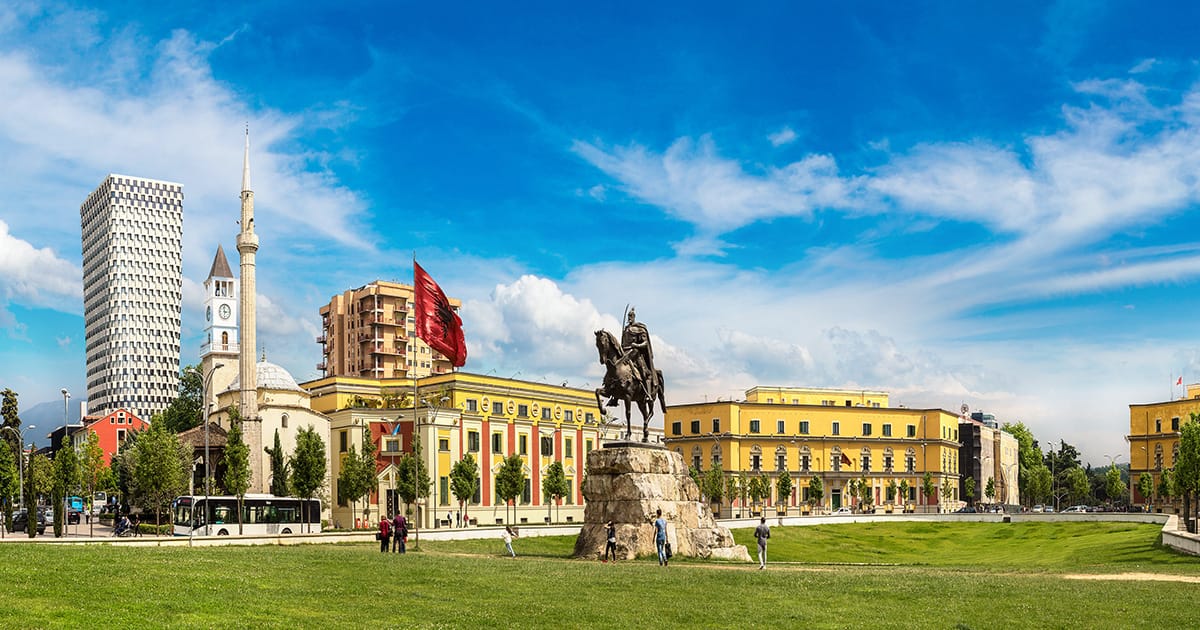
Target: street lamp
point(205, 381)
point(20, 459)
point(66, 422)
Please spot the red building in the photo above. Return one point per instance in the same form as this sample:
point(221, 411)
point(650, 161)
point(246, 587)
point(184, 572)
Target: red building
point(112, 430)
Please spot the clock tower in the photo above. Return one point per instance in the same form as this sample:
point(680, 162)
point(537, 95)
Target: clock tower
point(220, 328)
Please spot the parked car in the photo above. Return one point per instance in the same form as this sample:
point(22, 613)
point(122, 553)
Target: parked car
point(1038, 509)
point(1076, 509)
point(21, 520)
point(966, 509)
point(843, 511)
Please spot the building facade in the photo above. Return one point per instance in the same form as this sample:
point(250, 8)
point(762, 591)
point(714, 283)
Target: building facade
point(459, 414)
point(836, 436)
point(988, 455)
point(1154, 443)
point(111, 429)
point(368, 332)
point(132, 231)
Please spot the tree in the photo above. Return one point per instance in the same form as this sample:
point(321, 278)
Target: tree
point(1029, 454)
point(989, 490)
point(351, 480)
point(904, 487)
point(185, 411)
point(783, 489)
point(554, 484)
point(714, 486)
point(927, 487)
point(1145, 486)
point(696, 475)
point(1076, 484)
point(308, 467)
point(816, 490)
point(66, 480)
point(1166, 485)
point(744, 488)
point(1114, 486)
point(369, 472)
point(947, 491)
point(732, 489)
point(759, 488)
point(9, 483)
point(237, 466)
point(160, 470)
point(890, 489)
point(510, 480)
point(11, 420)
point(279, 468)
point(1039, 485)
point(464, 481)
point(93, 469)
point(1187, 467)
point(865, 493)
point(41, 477)
point(413, 481)
point(969, 490)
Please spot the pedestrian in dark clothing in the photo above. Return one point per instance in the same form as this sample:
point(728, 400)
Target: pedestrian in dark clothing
point(610, 546)
point(399, 532)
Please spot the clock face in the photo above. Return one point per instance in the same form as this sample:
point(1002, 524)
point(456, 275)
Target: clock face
point(224, 311)
point(208, 313)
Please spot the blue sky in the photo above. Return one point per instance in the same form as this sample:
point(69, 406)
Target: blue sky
point(990, 206)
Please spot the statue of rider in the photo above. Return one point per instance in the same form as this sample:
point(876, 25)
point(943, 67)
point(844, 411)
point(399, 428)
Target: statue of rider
point(635, 342)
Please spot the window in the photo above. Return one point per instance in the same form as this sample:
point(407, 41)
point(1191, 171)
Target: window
point(587, 446)
point(805, 461)
point(716, 457)
point(547, 446)
point(676, 428)
point(756, 462)
point(497, 443)
point(568, 416)
point(567, 450)
point(472, 405)
point(444, 488)
point(523, 442)
point(589, 417)
point(779, 425)
point(284, 420)
point(695, 427)
point(837, 428)
point(697, 458)
point(887, 430)
point(497, 409)
point(910, 461)
point(1175, 423)
point(523, 411)
point(391, 446)
point(1158, 425)
point(1158, 457)
point(716, 425)
point(754, 426)
point(866, 429)
point(887, 460)
point(866, 461)
point(546, 413)
point(835, 460)
point(526, 496)
point(912, 430)
point(472, 441)
point(804, 427)
point(342, 442)
point(444, 445)
point(570, 492)
point(780, 459)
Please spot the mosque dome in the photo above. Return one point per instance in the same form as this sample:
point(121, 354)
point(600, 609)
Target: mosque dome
point(269, 376)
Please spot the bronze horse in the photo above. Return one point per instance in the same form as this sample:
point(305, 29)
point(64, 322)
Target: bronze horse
point(620, 383)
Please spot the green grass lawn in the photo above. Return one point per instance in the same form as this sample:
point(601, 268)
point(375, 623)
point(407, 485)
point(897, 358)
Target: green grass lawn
point(943, 580)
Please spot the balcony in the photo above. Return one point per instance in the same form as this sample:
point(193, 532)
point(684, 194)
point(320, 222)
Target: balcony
point(321, 366)
point(321, 339)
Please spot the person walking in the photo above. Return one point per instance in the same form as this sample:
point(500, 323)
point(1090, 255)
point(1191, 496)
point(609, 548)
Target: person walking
point(660, 537)
point(762, 533)
point(385, 529)
point(508, 536)
point(610, 534)
point(399, 533)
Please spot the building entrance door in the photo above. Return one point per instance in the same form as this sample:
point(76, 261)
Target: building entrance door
point(835, 497)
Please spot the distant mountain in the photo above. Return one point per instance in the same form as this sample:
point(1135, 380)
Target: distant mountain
point(45, 417)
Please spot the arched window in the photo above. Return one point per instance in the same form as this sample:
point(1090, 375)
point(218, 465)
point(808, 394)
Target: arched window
point(756, 458)
point(866, 459)
point(835, 459)
point(910, 460)
point(780, 458)
point(1175, 453)
point(698, 457)
point(716, 456)
point(1158, 457)
point(805, 459)
point(888, 460)
point(225, 340)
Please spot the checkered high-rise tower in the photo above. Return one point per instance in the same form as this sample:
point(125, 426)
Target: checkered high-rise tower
point(132, 232)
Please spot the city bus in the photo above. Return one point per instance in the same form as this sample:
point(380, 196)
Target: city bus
point(262, 515)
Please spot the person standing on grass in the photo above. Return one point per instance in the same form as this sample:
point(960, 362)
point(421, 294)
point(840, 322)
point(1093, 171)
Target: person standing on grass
point(508, 536)
point(399, 531)
point(660, 537)
point(610, 533)
point(385, 528)
point(762, 533)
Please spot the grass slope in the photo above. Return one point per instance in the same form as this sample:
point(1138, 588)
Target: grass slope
point(469, 584)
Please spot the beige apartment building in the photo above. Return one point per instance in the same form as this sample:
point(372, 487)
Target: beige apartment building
point(368, 333)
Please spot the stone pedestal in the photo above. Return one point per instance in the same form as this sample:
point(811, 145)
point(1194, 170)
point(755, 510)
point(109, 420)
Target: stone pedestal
point(627, 484)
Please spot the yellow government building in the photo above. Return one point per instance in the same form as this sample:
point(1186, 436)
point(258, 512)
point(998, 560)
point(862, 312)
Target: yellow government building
point(836, 435)
point(457, 414)
point(1154, 443)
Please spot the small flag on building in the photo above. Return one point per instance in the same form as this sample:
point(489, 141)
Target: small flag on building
point(437, 323)
point(1180, 381)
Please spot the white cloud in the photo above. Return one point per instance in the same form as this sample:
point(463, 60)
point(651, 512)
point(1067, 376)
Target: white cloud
point(36, 276)
point(782, 137)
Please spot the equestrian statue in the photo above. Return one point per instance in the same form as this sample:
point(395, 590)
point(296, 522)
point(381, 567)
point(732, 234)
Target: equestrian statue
point(630, 375)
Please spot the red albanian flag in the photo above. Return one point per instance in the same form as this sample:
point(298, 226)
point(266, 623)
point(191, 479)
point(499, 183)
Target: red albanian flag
point(437, 323)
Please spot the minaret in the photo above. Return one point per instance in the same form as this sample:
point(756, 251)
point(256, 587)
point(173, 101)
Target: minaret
point(247, 245)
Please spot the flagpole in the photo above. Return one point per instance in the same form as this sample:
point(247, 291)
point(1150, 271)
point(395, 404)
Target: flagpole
point(415, 429)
